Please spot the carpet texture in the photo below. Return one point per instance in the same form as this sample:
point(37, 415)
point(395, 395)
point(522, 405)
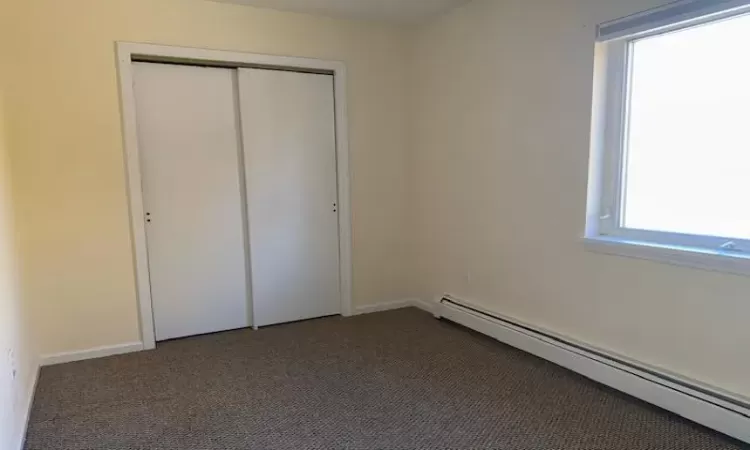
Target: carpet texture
point(397, 379)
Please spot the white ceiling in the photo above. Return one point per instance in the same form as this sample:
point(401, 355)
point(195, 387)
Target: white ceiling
point(394, 11)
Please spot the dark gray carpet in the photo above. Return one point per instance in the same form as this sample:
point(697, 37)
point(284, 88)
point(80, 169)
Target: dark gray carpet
point(398, 379)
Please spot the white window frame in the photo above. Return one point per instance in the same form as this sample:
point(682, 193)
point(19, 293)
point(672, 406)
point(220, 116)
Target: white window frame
point(604, 227)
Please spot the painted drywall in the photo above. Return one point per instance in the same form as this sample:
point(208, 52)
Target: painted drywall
point(501, 141)
point(498, 116)
point(68, 157)
point(17, 353)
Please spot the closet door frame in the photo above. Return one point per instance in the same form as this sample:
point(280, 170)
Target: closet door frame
point(129, 52)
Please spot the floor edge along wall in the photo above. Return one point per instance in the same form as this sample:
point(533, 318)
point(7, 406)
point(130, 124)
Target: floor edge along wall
point(724, 413)
point(721, 412)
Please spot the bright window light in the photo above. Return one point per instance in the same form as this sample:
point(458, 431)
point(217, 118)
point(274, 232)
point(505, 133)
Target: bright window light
point(686, 161)
point(672, 128)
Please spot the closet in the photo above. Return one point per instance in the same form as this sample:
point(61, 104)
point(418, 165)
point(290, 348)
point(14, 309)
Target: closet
point(238, 175)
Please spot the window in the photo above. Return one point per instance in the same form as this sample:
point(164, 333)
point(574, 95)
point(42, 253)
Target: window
point(672, 124)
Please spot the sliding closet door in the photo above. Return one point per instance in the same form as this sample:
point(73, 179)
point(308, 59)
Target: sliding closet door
point(189, 151)
point(290, 165)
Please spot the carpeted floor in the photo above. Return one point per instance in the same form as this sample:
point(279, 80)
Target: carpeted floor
point(398, 379)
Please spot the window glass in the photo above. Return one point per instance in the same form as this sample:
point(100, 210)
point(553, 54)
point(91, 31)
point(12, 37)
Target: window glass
point(686, 166)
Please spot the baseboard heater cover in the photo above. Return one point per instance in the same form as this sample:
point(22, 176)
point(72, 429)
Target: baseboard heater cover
point(707, 406)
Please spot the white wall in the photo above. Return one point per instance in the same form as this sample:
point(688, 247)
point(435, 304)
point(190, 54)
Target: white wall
point(501, 140)
point(489, 200)
point(17, 353)
point(68, 159)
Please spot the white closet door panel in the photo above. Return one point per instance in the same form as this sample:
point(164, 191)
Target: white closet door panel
point(289, 142)
point(189, 152)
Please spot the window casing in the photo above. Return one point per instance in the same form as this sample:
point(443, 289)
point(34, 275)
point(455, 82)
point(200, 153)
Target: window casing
point(612, 113)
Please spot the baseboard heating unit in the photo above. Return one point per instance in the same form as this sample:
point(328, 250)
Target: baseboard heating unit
point(708, 406)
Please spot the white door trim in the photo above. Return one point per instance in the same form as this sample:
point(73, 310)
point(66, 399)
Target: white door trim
point(126, 53)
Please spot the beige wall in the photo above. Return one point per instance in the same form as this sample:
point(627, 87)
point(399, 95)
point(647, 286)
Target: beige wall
point(500, 164)
point(17, 352)
point(68, 161)
point(497, 113)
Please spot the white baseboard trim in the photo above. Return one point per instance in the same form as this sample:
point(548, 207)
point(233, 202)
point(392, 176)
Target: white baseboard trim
point(431, 307)
point(385, 306)
point(719, 410)
point(98, 352)
point(398, 304)
point(26, 412)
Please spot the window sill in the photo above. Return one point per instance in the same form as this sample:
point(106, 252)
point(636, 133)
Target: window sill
point(717, 261)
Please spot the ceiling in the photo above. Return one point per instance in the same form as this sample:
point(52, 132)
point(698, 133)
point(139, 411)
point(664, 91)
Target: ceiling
point(394, 11)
